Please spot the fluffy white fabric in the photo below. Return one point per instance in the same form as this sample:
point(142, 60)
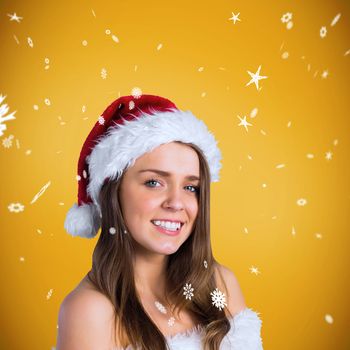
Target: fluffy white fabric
point(121, 145)
point(83, 221)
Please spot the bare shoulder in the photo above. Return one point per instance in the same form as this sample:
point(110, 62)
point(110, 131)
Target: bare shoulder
point(228, 283)
point(85, 321)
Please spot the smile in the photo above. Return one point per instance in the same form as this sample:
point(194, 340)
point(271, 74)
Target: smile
point(169, 232)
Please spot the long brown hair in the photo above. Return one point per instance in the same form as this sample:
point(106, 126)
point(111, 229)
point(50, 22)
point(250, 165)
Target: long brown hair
point(112, 272)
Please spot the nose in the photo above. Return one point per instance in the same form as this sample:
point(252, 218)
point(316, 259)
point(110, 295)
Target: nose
point(174, 200)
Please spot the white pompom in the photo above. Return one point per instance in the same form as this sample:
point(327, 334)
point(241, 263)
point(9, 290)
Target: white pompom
point(83, 221)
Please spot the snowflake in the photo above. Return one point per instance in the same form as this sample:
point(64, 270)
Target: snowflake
point(3, 110)
point(136, 92)
point(205, 264)
point(329, 155)
point(48, 296)
point(301, 202)
point(286, 17)
point(324, 74)
point(15, 207)
point(101, 120)
point(323, 32)
point(171, 321)
point(160, 307)
point(131, 105)
point(103, 73)
point(218, 298)
point(7, 141)
point(188, 291)
point(254, 269)
point(112, 230)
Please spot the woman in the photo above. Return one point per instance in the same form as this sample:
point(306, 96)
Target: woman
point(144, 177)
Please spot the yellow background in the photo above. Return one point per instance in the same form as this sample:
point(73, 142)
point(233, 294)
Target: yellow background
point(300, 251)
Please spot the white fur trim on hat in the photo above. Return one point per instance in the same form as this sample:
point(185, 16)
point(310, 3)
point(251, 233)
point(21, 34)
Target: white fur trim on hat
point(123, 143)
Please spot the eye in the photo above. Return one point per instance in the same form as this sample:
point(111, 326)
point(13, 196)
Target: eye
point(149, 181)
point(195, 188)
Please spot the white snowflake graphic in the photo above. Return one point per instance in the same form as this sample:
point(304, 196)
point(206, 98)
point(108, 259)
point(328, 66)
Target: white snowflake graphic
point(14, 17)
point(15, 207)
point(112, 230)
point(160, 307)
point(171, 321)
point(286, 17)
point(7, 141)
point(205, 264)
point(243, 122)
point(3, 117)
point(301, 202)
point(30, 42)
point(103, 73)
point(324, 74)
point(131, 105)
point(101, 120)
point(323, 32)
point(255, 78)
point(136, 92)
point(329, 155)
point(234, 18)
point(188, 291)
point(254, 269)
point(218, 299)
point(48, 296)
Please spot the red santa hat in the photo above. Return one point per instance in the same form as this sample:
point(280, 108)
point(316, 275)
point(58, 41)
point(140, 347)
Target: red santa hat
point(128, 128)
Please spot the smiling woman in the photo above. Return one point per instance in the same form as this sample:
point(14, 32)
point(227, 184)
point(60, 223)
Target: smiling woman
point(154, 282)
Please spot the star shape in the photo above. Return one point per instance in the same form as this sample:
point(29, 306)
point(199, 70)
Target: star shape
point(254, 270)
point(256, 77)
point(235, 18)
point(329, 155)
point(14, 17)
point(244, 122)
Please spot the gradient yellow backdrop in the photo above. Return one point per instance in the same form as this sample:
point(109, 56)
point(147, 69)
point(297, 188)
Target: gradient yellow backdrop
point(281, 208)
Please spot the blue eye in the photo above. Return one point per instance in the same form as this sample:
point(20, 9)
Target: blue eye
point(196, 188)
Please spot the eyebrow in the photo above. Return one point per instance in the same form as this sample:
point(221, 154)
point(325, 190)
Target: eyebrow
point(166, 174)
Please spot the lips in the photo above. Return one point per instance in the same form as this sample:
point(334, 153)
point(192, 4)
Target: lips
point(167, 232)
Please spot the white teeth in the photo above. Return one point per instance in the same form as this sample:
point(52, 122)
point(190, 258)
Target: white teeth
point(173, 226)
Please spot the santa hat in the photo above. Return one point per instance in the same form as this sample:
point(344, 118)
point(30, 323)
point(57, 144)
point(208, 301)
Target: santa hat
point(128, 128)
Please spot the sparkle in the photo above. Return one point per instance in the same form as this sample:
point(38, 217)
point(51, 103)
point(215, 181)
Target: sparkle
point(301, 202)
point(329, 155)
point(41, 192)
point(324, 74)
point(101, 120)
point(254, 269)
point(323, 32)
point(335, 19)
point(15, 207)
point(286, 17)
point(235, 18)
point(328, 318)
point(136, 92)
point(255, 78)
point(14, 17)
point(244, 122)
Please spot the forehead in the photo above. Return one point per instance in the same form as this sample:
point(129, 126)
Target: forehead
point(172, 158)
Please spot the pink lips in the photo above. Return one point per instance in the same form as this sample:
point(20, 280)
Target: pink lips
point(167, 232)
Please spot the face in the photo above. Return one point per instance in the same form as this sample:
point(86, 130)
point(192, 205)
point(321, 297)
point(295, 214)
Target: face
point(146, 196)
